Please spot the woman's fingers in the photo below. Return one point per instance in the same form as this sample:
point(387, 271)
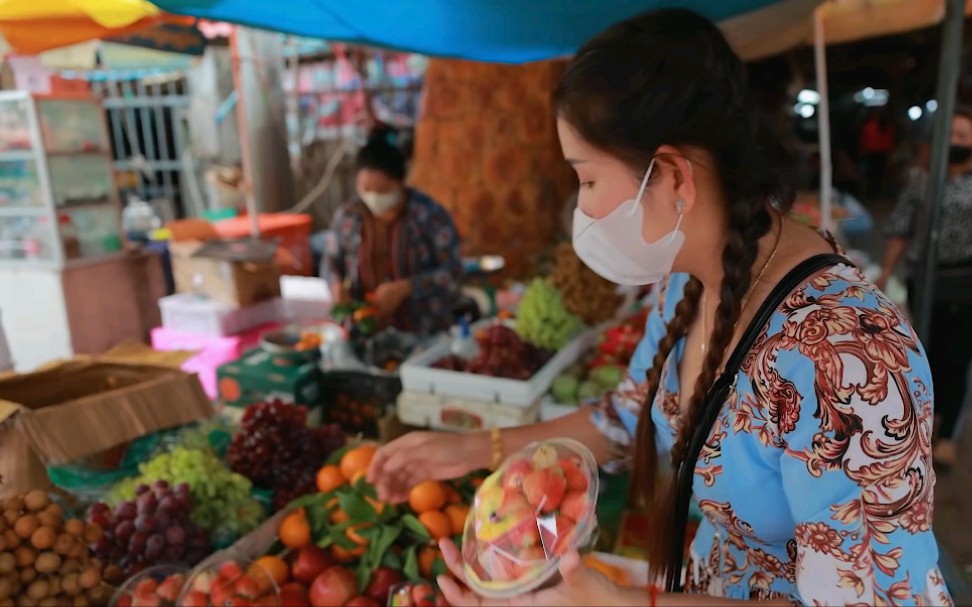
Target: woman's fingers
point(456, 595)
point(453, 559)
point(570, 565)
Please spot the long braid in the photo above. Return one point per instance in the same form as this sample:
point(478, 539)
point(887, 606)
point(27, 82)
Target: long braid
point(646, 451)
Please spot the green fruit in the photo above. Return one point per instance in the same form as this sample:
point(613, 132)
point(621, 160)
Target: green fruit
point(590, 390)
point(608, 376)
point(565, 389)
point(543, 320)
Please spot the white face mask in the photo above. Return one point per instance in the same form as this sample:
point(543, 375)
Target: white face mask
point(380, 203)
point(614, 247)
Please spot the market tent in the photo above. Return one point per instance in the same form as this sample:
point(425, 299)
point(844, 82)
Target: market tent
point(501, 31)
point(35, 26)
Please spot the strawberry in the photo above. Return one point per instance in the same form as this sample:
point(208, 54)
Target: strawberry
point(574, 473)
point(545, 456)
point(514, 474)
point(545, 489)
point(576, 505)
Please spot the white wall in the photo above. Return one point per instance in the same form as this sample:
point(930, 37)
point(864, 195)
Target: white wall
point(34, 317)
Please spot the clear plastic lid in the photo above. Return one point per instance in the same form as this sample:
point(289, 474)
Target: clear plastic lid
point(160, 585)
point(539, 505)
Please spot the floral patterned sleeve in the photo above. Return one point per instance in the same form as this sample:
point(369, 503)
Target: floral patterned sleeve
point(849, 393)
point(616, 415)
point(444, 241)
point(901, 222)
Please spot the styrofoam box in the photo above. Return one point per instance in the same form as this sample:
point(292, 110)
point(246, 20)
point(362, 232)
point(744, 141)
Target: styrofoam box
point(459, 415)
point(549, 409)
point(418, 375)
point(192, 314)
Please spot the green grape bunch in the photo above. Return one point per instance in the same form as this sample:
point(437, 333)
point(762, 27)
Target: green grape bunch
point(224, 505)
point(543, 320)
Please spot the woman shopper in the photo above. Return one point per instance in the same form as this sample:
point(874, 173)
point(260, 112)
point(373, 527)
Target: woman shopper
point(394, 245)
point(815, 478)
point(950, 351)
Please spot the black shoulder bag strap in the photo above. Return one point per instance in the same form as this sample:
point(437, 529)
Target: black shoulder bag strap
point(719, 393)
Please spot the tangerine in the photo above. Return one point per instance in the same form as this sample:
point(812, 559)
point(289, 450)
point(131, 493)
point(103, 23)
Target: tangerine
point(230, 389)
point(294, 531)
point(379, 506)
point(457, 513)
point(452, 496)
point(330, 478)
point(360, 474)
point(438, 524)
point(354, 536)
point(357, 460)
point(427, 496)
point(271, 565)
point(426, 560)
point(338, 515)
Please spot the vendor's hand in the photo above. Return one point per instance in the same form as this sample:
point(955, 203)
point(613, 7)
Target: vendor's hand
point(422, 456)
point(389, 296)
point(882, 281)
point(580, 585)
point(340, 294)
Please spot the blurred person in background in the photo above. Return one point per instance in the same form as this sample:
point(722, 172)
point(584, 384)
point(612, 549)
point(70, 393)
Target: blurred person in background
point(394, 246)
point(951, 318)
point(876, 146)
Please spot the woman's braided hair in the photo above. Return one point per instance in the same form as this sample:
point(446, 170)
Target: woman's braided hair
point(670, 77)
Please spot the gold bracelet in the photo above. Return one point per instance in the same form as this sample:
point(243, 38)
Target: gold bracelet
point(496, 441)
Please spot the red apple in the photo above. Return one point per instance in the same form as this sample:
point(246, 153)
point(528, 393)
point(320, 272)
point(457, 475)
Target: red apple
point(381, 584)
point(230, 570)
point(294, 595)
point(247, 587)
point(333, 588)
point(311, 561)
point(362, 601)
point(423, 592)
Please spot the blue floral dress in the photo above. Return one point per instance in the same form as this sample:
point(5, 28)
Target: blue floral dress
point(816, 482)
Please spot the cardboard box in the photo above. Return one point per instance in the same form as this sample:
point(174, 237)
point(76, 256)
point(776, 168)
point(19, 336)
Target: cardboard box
point(79, 408)
point(233, 273)
point(259, 376)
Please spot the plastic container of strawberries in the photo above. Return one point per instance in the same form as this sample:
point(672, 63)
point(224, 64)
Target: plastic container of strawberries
point(159, 585)
point(539, 505)
point(223, 580)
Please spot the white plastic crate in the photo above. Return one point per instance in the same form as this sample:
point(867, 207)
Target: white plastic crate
point(419, 376)
point(192, 314)
point(550, 409)
point(459, 415)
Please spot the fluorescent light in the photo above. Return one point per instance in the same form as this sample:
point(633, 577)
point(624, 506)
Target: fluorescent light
point(808, 96)
point(914, 112)
point(805, 110)
point(931, 105)
point(871, 97)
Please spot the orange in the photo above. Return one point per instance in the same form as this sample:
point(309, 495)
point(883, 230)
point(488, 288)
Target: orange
point(438, 524)
point(457, 514)
point(230, 390)
point(377, 505)
point(330, 478)
point(354, 536)
point(427, 496)
point(452, 496)
point(360, 474)
point(274, 566)
point(294, 530)
point(338, 516)
point(427, 557)
point(357, 460)
point(346, 556)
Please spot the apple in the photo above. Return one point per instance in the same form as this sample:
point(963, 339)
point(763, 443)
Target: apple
point(362, 601)
point(230, 570)
point(333, 588)
point(381, 583)
point(195, 598)
point(311, 561)
point(294, 595)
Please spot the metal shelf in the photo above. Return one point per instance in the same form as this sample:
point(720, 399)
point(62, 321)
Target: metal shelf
point(17, 156)
point(23, 211)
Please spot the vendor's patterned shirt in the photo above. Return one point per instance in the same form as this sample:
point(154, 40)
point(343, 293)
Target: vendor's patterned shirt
point(816, 483)
point(955, 240)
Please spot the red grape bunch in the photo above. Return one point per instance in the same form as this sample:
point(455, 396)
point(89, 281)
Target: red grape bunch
point(503, 354)
point(152, 529)
point(276, 450)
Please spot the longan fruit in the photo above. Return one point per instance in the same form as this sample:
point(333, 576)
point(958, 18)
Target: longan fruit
point(69, 584)
point(93, 534)
point(70, 566)
point(47, 562)
point(7, 603)
point(81, 601)
point(74, 527)
point(89, 578)
point(47, 519)
point(25, 556)
point(14, 503)
point(43, 538)
point(26, 526)
point(3, 542)
point(64, 601)
point(113, 575)
point(11, 539)
point(38, 589)
point(28, 575)
point(63, 544)
point(36, 500)
point(6, 588)
point(25, 601)
point(99, 595)
point(55, 510)
point(55, 584)
point(10, 517)
point(47, 602)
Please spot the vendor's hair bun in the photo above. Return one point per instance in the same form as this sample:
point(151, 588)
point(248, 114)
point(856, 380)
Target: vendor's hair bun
point(381, 153)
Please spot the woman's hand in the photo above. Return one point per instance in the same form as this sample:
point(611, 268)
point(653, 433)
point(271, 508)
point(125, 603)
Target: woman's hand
point(389, 296)
point(422, 456)
point(580, 585)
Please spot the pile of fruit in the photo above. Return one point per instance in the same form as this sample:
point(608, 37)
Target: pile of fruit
point(586, 295)
point(277, 451)
point(502, 353)
point(343, 547)
point(44, 559)
point(159, 587)
point(222, 502)
point(232, 582)
point(602, 370)
point(543, 320)
point(539, 505)
point(153, 528)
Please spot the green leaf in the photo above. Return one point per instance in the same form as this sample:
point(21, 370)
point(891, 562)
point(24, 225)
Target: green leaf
point(411, 568)
point(357, 508)
point(392, 561)
point(317, 517)
point(439, 568)
point(325, 542)
point(341, 539)
point(389, 513)
point(335, 458)
point(368, 489)
point(363, 575)
point(313, 499)
point(415, 526)
point(386, 538)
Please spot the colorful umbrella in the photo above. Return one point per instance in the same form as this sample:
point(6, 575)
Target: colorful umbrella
point(34, 26)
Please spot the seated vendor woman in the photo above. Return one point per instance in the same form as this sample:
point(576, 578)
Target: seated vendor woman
point(395, 246)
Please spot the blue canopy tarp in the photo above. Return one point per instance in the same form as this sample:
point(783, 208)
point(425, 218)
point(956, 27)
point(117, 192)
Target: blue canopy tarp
point(503, 31)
